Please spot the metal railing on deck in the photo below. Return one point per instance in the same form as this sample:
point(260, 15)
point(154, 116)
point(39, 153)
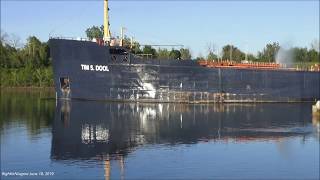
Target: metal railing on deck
point(71, 38)
point(233, 64)
point(261, 65)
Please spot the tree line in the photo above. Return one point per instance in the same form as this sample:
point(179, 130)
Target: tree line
point(27, 66)
point(272, 52)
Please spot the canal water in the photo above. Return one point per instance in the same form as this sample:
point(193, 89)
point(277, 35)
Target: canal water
point(42, 138)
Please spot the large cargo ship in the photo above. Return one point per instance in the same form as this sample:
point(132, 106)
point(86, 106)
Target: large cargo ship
point(89, 70)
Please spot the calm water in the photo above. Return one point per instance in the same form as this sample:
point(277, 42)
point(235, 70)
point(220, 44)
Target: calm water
point(96, 140)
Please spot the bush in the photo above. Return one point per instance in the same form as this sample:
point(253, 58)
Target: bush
point(27, 77)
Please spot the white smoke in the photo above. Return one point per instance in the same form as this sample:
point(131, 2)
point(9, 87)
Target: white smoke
point(285, 55)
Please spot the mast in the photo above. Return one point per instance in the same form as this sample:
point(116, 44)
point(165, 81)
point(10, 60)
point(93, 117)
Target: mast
point(106, 30)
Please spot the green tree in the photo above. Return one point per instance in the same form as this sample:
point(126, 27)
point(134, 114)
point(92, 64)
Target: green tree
point(26, 66)
point(185, 54)
point(211, 56)
point(211, 47)
point(94, 32)
point(175, 54)
point(163, 53)
point(269, 53)
point(251, 57)
point(5, 51)
point(299, 54)
point(36, 53)
point(230, 52)
point(148, 50)
point(136, 48)
point(313, 55)
point(3, 55)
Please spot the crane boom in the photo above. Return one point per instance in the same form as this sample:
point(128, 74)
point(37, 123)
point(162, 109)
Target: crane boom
point(106, 29)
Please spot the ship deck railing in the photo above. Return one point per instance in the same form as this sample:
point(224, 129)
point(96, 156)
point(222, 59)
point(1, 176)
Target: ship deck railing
point(71, 38)
point(260, 65)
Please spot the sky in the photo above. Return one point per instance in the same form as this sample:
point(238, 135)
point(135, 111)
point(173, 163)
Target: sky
point(249, 25)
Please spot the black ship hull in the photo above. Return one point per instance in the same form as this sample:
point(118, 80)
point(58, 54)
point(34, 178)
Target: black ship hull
point(95, 72)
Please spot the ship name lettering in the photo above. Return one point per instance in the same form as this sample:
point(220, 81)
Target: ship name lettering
point(102, 68)
point(88, 67)
point(85, 67)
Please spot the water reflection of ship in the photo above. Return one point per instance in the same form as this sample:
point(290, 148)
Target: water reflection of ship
point(108, 131)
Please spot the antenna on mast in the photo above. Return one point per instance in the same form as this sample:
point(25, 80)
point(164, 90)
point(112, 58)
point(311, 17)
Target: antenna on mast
point(106, 24)
point(122, 29)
